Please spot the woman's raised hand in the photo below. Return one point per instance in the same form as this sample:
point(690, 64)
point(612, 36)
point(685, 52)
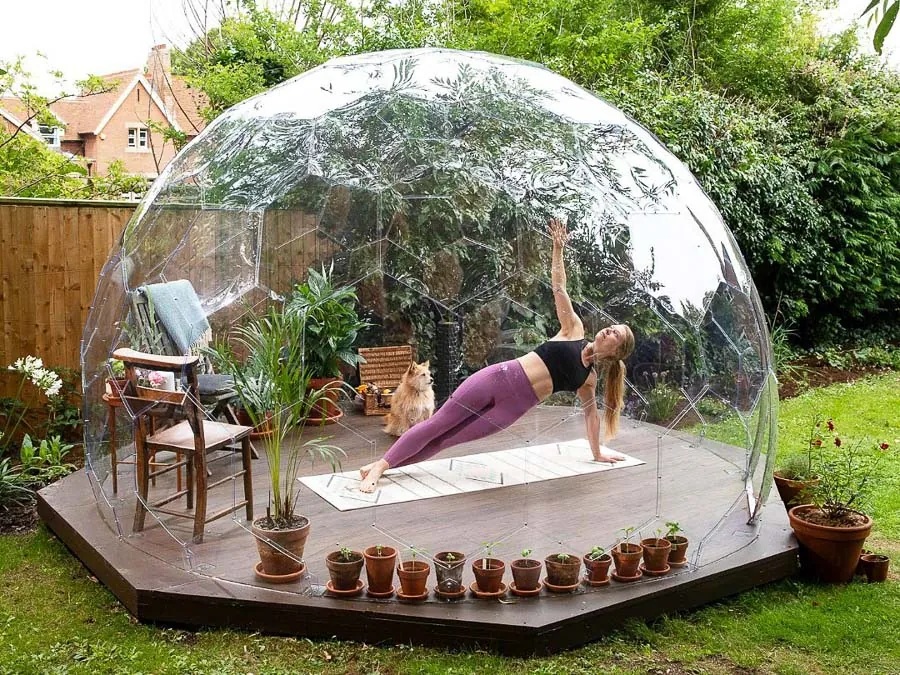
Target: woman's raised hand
point(558, 232)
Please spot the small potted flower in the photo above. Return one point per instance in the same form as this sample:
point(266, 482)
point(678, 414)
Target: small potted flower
point(597, 564)
point(488, 572)
point(115, 383)
point(562, 572)
point(344, 568)
point(526, 574)
point(678, 552)
point(656, 554)
point(413, 576)
point(627, 557)
point(380, 570)
point(833, 527)
point(449, 567)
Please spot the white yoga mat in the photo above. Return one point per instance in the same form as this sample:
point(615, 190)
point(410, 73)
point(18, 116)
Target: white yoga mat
point(456, 475)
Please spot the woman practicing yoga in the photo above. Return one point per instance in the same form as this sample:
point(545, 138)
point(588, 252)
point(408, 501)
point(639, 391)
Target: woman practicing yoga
point(496, 396)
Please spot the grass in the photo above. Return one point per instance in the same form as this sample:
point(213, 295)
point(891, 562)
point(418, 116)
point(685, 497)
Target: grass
point(54, 617)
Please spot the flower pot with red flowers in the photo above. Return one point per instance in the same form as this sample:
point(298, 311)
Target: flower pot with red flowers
point(876, 567)
point(596, 564)
point(488, 571)
point(344, 568)
point(526, 572)
point(627, 557)
point(380, 562)
point(414, 576)
point(833, 527)
point(678, 552)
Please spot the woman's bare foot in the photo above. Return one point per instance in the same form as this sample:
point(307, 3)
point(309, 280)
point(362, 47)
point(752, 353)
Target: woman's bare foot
point(611, 457)
point(364, 471)
point(373, 473)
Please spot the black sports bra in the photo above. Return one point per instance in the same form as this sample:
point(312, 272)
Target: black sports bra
point(563, 360)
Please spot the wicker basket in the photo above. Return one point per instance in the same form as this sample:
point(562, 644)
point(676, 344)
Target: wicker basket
point(384, 367)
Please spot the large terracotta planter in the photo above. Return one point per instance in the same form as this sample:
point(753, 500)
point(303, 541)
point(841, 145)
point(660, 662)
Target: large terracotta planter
point(789, 490)
point(380, 568)
point(562, 572)
point(449, 572)
point(526, 573)
point(488, 574)
point(344, 574)
point(293, 540)
point(326, 410)
point(826, 552)
point(627, 557)
point(413, 577)
point(597, 569)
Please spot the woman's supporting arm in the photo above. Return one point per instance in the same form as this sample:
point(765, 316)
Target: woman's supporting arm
point(592, 422)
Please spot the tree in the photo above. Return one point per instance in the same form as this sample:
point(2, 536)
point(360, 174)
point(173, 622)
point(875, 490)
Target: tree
point(882, 13)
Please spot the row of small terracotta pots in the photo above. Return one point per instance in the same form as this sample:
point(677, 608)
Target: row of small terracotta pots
point(563, 570)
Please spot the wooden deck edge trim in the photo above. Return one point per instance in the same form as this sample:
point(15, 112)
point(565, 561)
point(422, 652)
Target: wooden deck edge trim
point(89, 556)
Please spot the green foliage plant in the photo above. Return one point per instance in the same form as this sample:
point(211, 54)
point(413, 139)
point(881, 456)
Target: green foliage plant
point(43, 464)
point(525, 553)
point(596, 553)
point(348, 555)
point(14, 486)
point(672, 529)
point(271, 338)
point(330, 321)
point(662, 398)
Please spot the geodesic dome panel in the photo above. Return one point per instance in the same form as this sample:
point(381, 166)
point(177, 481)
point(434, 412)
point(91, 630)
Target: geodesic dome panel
point(424, 180)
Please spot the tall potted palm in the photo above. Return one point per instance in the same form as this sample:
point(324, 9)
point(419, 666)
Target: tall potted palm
point(331, 327)
point(285, 403)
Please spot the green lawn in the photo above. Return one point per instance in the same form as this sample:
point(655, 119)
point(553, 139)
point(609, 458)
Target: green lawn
point(55, 618)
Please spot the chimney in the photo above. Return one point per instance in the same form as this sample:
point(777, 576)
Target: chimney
point(159, 73)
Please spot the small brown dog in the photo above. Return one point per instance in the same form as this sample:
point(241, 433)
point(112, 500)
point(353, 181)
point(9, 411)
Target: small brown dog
point(413, 400)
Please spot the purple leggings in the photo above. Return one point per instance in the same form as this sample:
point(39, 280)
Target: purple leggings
point(488, 401)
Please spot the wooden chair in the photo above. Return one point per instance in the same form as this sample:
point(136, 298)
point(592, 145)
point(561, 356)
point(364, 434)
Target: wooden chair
point(216, 392)
point(191, 439)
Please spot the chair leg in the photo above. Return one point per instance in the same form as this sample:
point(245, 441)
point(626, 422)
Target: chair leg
point(142, 471)
point(248, 477)
point(199, 461)
point(189, 477)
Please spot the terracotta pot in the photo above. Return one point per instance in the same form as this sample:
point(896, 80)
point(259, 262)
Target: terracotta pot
point(380, 568)
point(526, 573)
point(789, 490)
point(862, 564)
point(292, 540)
point(326, 410)
point(413, 576)
point(560, 573)
point(656, 553)
point(627, 558)
point(597, 570)
point(678, 552)
point(449, 573)
point(488, 574)
point(344, 574)
point(261, 430)
point(876, 567)
point(114, 387)
point(826, 552)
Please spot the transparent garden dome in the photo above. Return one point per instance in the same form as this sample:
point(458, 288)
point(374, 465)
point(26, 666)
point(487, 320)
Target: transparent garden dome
point(425, 180)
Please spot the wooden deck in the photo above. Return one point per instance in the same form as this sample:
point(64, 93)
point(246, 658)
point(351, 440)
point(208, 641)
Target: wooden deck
point(160, 577)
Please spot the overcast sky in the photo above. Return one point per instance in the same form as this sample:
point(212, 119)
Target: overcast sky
point(103, 36)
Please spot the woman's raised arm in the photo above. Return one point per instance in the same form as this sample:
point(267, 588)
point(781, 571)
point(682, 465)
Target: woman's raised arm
point(569, 322)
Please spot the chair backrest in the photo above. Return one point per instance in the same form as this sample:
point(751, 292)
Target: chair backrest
point(142, 401)
point(151, 333)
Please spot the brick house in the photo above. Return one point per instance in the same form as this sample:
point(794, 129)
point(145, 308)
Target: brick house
point(122, 123)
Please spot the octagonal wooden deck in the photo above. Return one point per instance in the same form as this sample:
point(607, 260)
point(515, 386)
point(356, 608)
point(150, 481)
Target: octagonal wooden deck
point(161, 579)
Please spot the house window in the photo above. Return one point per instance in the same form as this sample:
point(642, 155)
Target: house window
point(137, 138)
point(49, 134)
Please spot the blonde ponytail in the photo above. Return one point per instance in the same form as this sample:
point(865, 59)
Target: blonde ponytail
point(613, 397)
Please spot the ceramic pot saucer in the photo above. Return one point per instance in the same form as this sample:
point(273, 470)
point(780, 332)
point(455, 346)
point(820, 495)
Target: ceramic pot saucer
point(380, 594)
point(655, 573)
point(278, 578)
point(482, 594)
point(347, 592)
point(525, 594)
point(588, 582)
point(412, 598)
point(553, 588)
point(619, 577)
point(450, 595)
point(678, 564)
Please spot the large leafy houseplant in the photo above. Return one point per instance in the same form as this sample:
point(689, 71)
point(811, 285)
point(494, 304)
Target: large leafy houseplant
point(270, 341)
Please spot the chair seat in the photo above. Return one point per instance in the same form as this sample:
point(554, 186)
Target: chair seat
point(212, 385)
point(182, 436)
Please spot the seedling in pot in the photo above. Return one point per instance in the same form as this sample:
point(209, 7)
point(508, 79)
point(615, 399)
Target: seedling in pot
point(525, 553)
point(347, 555)
point(673, 529)
point(489, 547)
point(596, 553)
